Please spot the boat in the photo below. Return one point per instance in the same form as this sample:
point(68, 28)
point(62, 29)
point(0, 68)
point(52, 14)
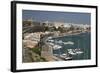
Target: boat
point(69, 42)
point(65, 56)
point(68, 58)
point(72, 51)
point(55, 47)
point(75, 51)
point(60, 41)
point(78, 51)
point(50, 40)
point(49, 37)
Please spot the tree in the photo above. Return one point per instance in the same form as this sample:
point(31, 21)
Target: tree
point(27, 23)
point(46, 28)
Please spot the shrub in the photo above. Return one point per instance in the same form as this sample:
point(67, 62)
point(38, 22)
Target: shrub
point(37, 50)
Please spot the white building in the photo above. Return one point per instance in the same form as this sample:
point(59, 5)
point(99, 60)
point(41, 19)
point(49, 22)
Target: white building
point(68, 25)
point(32, 39)
point(58, 24)
point(55, 24)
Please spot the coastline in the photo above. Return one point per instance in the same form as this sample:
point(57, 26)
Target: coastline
point(69, 34)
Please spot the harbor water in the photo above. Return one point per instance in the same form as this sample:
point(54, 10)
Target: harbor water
point(80, 41)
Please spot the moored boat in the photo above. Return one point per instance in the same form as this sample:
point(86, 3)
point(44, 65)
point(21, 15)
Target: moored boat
point(65, 56)
point(55, 47)
point(75, 51)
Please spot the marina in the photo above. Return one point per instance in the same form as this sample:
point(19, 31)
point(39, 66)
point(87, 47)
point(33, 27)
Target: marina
point(56, 40)
point(71, 47)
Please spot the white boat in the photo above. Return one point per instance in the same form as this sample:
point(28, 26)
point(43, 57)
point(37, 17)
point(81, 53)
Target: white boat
point(55, 47)
point(68, 58)
point(78, 51)
point(50, 40)
point(65, 56)
point(75, 51)
point(72, 52)
point(49, 37)
point(60, 41)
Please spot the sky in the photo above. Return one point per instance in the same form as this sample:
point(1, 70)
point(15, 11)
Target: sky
point(54, 16)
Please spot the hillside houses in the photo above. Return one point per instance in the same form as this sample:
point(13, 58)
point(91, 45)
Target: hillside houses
point(34, 30)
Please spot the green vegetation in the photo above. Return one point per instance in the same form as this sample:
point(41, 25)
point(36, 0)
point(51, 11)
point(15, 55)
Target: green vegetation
point(37, 50)
point(27, 23)
point(46, 28)
point(61, 29)
point(37, 57)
